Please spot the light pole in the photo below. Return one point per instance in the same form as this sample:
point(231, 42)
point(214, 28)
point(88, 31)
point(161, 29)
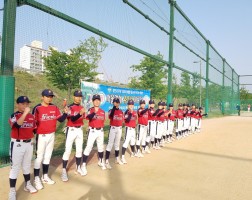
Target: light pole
point(200, 78)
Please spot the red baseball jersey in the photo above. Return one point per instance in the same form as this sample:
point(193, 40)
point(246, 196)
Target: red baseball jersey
point(96, 120)
point(25, 131)
point(172, 115)
point(46, 118)
point(166, 114)
point(142, 117)
point(130, 118)
point(160, 115)
point(193, 114)
point(117, 118)
point(151, 111)
point(73, 117)
point(180, 114)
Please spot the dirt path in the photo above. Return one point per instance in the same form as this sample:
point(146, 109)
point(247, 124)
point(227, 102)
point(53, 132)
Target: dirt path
point(213, 165)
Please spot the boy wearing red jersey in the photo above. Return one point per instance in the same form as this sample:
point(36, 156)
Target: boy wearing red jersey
point(179, 121)
point(171, 119)
point(21, 146)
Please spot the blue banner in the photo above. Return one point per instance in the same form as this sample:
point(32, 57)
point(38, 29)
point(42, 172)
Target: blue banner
point(108, 93)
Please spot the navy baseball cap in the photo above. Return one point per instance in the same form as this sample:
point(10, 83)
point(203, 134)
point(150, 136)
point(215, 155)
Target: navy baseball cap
point(130, 102)
point(200, 108)
point(180, 104)
point(164, 104)
point(96, 96)
point(142, 101)
point(151, 102)
point(23, 99)
point(47, 93)
point(193, 104)
point(116, 100)
point(160, 103)
point(188, 105)
point(184, 104)
point(170, 104)
point(78, 93)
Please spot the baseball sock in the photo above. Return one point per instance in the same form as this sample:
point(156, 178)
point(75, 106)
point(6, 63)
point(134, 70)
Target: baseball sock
point(152, 143)
point(36, 172)
point(137, 147)
point(143, 146)
point(132, 148)
point(107, 155)
point(164, 137)
point(78, 161)
point(116, 153)
point(123, 151)
point(84, 159)
point(13, 183)
point(159, 141)
point(64, 163)
point(45, 169)
point(147, 144)
point(156, 140)
point(27, 177)
point(100, 154)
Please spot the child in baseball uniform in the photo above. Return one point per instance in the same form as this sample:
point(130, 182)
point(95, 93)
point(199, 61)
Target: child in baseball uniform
point(171, 119)
point(179, 121)
point(160, 128)
point(142, 126)
point(21, 146)
point(46, 115)
point(130, 117)
point(151, 125)
point(74, 133)
point(96, 118)
point(115, 132)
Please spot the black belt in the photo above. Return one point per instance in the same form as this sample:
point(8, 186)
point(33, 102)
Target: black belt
point(25, 141)
point(96, 128)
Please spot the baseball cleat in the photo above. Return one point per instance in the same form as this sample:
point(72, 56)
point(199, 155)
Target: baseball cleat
point(64, 177)
point(47, 180)
point(37, 183)
point(12, 194)
point(102, 165)
point(132, 155)
point(143, 151)
point(29, 188)
point(147, 150)
point(118, 161)
point(124, 161)
point(139, 155)
point(80, 171)
point(108, 166)
point(84, 169)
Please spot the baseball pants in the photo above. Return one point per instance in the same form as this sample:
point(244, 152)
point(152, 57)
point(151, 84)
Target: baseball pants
point(44, 146)
point(193, 124)
point(170, 127)
point(130, 137)
point(115, 134)
point(94, 135)
point(166, 126)
point(73, 134)
point(21, 156)
point(151, 131)
point(160, 129)
point(199, 124)
point(179, 125)
point(141, 134)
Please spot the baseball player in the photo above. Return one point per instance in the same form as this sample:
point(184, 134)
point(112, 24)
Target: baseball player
point(96, 118)
point(200, 115)
point(165, 133)
point(193, 118)
point(179, 121)
point(46, 115)
point(151, 125)
point(74, 133)
point(171, 119)
point(130, 117)
point(21, 146)
point(115, 132)
point(159, 125)
point(142, 113)
point(185, 120)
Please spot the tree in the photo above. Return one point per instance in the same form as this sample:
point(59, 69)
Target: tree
point(65, 70)
point(153, 76)
point(185, 86)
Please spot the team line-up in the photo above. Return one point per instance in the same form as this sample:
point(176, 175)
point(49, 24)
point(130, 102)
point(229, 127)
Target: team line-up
point(144, 129)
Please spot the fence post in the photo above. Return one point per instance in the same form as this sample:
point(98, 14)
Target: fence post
point(232, 94)
point(207, 76)
point(7, 80)
point(171, 41)
point(223, 88)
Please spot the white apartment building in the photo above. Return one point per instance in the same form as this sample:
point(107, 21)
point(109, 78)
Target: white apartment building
point(31, 57)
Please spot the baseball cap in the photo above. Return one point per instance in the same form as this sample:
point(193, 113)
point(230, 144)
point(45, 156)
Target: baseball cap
point(164, 104)
point(170, 104)
point(47, 93)
point(23, 99)
point(96, 96)
point(78, 93)
point(160, 103)
point(184, 104)
point(193, 104)
point(180, 104)
point(200, 108)
point(130, 102)
point(188, 105)
point(142, 101)
point(117, 100)
point(151, 102)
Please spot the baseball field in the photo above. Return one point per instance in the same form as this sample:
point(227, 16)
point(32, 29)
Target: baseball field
point(215, 164)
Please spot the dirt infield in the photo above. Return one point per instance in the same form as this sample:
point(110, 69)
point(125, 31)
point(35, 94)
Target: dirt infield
point(213, 165)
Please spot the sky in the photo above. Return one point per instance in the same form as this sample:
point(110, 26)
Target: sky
point(225, 23)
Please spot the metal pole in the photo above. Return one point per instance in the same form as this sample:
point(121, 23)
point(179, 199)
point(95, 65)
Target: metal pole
point(7, 81)
point(223, 88)
point(232, 93)
point(200, 85)
point(171, 41)
point(207, 76)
